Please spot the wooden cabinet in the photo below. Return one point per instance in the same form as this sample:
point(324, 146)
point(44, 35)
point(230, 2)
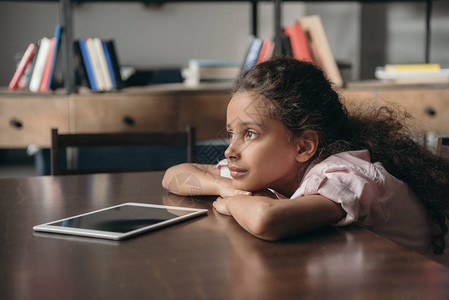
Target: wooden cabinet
point(27, 119)
point(207, 112)
point(152, 109)
point(117, 113)
point(428, 106)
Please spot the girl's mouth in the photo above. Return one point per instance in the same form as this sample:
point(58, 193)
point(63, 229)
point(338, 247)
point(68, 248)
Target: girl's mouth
point(237, 172)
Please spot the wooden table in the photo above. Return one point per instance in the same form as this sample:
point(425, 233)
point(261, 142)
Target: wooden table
point(209, 257)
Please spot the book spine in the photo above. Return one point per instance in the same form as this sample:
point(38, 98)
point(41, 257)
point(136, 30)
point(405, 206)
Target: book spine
point(21, 85)
point(81, 74)
point(286, 46)
point(252, 54)
point(41, 59)
point(95, 64)
point(88, 65)
point(26, 58)
point(115, 63)
point(32, 64)
point(321, 50)
point(413, 68)
point(57, 37)
point(45, 76)
point(103, 64)
point(107, 56)
point(382, 73)
point(266, 52)
point(298, 42)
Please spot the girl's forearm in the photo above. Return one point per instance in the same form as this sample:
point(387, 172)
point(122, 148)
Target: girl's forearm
point(272, 219)
point(253, 213)
point(194, 179)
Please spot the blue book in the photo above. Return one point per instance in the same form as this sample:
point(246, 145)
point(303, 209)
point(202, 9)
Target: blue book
point(252, 54)
point(109, 63)
point(88, 65)
point(57, 37)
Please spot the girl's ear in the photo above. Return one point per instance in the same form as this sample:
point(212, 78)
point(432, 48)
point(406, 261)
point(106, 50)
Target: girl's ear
point(307, 145)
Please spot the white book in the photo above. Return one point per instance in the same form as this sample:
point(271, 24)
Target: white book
point(103, 64)
point(95, 63)
point(41, 59)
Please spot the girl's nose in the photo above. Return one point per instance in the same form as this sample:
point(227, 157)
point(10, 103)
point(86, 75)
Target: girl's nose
point(231, 152)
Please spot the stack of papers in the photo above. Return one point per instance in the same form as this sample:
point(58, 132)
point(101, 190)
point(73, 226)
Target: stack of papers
point(200, 71)
point(413, 74)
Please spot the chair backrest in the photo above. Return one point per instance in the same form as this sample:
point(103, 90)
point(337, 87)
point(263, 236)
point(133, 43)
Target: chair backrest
point(443, 147)
point(100, 142)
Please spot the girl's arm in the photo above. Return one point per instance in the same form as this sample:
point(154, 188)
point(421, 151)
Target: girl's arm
point(197, 179)
point(272, 219)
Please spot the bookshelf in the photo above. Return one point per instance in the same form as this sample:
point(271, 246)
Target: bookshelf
point(66, 21)
point(171, 107)
point(66, 13)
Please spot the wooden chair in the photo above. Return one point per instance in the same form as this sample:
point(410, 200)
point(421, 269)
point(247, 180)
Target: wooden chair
point(443, 147)
point(126, 141)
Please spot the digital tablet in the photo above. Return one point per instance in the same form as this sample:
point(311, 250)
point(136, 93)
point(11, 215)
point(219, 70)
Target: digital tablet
point(121, 221)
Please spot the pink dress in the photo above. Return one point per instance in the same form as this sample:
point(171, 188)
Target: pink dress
point(370, 196)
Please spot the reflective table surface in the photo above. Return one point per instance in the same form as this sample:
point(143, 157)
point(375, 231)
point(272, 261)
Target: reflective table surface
point(209, 257)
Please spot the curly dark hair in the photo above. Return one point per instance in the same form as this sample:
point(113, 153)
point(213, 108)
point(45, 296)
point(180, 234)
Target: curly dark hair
point(299, 95)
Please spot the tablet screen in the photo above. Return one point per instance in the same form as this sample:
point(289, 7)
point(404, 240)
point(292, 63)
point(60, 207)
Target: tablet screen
point(121, 221)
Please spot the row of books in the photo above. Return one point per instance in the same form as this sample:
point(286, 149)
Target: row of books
point(413, 74)
point(304, 40)
point(97, 64)
point(35, 69)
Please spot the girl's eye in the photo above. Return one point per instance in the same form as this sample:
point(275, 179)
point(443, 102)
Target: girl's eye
point(230, 135)
point(251, 134)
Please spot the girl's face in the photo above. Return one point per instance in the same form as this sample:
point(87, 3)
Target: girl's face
point(260, 155)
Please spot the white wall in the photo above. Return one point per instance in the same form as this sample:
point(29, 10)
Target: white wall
point(341, 22)
point(406, 33)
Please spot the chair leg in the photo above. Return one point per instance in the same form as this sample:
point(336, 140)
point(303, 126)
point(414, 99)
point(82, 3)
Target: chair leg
point(191, 138)
point(54, 152)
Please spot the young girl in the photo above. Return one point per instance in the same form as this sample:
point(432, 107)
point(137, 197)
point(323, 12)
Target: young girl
point(297, 160)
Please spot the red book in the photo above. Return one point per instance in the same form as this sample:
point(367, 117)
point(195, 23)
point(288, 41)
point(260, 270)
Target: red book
point(22, 66)
point(266, 52)
point(48, 63)
point(299, 42)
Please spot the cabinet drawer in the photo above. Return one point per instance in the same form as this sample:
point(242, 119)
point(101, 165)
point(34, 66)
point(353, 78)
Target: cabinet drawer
point(115, 113)
point(206, 112)
point(25, 121)
point(428, 107)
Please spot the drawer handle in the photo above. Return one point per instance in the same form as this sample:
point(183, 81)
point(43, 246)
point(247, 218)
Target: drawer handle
point(430, 111)
point(129, 120)
point(15, 123)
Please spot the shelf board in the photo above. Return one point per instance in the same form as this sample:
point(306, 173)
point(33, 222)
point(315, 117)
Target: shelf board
point(169, 88)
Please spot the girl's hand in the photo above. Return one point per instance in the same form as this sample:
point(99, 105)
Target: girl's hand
point(220, 205)
point(227, 189)
point(265, 193)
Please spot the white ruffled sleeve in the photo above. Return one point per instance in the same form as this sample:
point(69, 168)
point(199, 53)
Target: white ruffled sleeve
point(352, 184)
point(222, 166)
